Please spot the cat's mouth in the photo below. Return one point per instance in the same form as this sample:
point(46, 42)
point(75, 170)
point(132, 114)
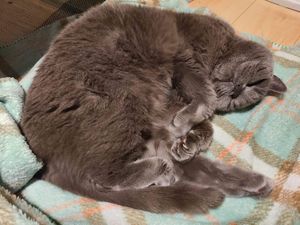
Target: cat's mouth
point(232, 96)
point(239, 98)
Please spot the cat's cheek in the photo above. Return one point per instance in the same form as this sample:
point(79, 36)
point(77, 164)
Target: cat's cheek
point(223, 104)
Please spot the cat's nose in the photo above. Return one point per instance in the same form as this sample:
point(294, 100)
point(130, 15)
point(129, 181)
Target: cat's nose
point(238, 89)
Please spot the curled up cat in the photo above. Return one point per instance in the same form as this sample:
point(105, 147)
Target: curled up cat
point(120, 108)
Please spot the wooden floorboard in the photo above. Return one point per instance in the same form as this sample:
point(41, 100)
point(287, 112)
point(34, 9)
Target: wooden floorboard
point(229, 10)
point(270, 21)
point(19, 17)
point(259, 17)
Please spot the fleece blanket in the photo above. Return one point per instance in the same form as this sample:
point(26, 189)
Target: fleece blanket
point(15, 211)
point(265, 139)
point(17, 163)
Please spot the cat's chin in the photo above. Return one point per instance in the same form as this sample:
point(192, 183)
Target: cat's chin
point(247, 100)
point(232, 105)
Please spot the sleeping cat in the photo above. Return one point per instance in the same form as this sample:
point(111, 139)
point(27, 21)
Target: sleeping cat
point(120, 107)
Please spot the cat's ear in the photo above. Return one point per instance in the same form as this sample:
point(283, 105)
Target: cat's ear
point(277, 86)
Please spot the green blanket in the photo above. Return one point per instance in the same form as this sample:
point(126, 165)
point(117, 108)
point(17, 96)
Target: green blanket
point(15, 211)
point(265, 138)
point(17, 163)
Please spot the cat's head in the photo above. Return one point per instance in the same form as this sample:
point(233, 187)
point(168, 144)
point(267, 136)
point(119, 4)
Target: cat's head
point(244, 76)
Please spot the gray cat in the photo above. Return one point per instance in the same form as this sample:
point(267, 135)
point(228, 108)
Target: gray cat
point(119, 110)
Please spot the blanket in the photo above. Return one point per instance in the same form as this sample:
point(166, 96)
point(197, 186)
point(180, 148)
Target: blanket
point(265, 139)
point(17, 163)
point(15, 211)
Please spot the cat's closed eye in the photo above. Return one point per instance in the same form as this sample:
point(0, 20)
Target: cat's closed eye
point(258, 82)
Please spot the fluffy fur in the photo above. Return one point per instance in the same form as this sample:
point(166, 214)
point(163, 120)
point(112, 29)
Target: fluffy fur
point(122, 100)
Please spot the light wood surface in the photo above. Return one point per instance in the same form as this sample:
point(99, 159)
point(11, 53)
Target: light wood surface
point(228, 10)
point(258, 17)
point(19, 17)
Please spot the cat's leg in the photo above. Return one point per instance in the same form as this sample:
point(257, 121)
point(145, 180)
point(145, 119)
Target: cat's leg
point(145, 172)
point(141, 173)
point(197, 140)
point(194, 86)
point(231, 180)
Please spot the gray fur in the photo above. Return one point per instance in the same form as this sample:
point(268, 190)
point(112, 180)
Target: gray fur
point(123, 99)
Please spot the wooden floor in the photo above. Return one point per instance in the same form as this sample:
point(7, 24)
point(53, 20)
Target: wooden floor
point(260, 17)
point(19, 17)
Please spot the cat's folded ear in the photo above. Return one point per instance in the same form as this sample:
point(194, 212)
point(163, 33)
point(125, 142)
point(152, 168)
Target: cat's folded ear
point(277, 87)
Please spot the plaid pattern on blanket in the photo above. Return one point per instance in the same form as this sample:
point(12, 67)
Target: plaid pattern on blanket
point(15, 211)
point(265, 138)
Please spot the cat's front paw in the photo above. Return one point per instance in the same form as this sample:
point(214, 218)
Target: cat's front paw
point(180, 124)
point(181, 118)
point(201, 135)
point(195, 141)
point(182, 150)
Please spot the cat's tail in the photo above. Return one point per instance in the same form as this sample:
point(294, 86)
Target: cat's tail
point(169, 199)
